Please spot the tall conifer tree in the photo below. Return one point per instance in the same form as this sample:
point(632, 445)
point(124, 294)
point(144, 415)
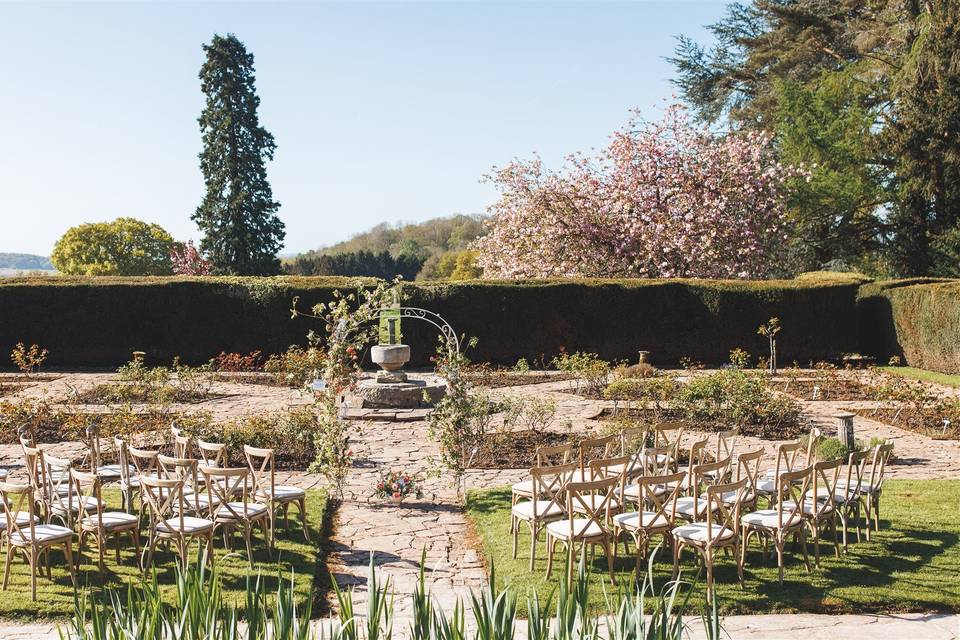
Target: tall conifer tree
point(242, 233)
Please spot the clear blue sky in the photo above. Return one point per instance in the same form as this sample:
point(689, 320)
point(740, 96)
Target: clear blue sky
point(381, 112)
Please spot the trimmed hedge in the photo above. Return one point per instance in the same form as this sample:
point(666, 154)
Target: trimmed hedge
point(100, 321)
point(916, 319)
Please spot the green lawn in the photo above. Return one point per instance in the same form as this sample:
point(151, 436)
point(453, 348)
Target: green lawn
point(292, 552)
point(950, 380)
point(912, 565)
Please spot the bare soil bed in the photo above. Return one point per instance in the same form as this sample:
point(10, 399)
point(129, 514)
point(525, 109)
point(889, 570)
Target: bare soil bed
point(927, 423)
point(834, 389)
point(779, 431)
point(517, 449)
point(497, 378)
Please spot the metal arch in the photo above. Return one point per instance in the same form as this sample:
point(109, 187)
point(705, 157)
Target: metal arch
point(429, 316)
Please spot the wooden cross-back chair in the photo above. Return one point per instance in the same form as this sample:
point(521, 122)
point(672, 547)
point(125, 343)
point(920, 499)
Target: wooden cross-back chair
point(195, 499)
point(98, 523)
point(786, 459)
point(170, 524)
point(669, 436)
point(24, 534)
point(748, 466)
point(693, 507)
point(697, 455)
point(656, 513)
point(720, 529)
point(62, 499)
point(782, 521)
point(871, 490)
point(586, 522)
point(549, 484)
point(545, 457)
point(262, 465)
point(820, 505)
point(590, 449)
point(633, 439)
point(652, 461)
point(228, 491)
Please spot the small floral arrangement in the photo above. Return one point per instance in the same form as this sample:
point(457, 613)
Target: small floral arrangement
point(397, 485)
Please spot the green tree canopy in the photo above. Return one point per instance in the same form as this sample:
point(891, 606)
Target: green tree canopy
point(242, 233)
point(124, 247)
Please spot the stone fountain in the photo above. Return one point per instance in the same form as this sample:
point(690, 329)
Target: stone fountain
point(392, 387)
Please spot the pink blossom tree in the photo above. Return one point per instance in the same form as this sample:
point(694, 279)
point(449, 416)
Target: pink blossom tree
point(187, 261)
point(663, 199)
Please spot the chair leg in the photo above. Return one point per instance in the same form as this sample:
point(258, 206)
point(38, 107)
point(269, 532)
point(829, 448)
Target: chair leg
point(803, 547)
point(550, 548)
point(708, 560)
point(737, 558)
point(303, 521)
point(69, 552)
point(534, 530)
point(515, 533)
point(677, 548)
point(876, 512)
point(34, 558)
point(6, 565)
point(779, 543)
point(606, 552)
point(246, 537)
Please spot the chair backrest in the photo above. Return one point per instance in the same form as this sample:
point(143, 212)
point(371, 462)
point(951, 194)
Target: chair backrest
point(813, 439)
point(825, 477)
point(36, 475)
point(788, 455)
point(696, 456)
point(726, 443)
point(27, 436)
point(657, 461)
point(591, 501)
point(57, 472)
point(212, 454)
point(793, 487)
point(92, 433)
point(724, 516)
point(856, 468)
point(596, 448)
point(551, 481)
point(553, 455)
point(182, 445)
point(659, 494)
point(611, 467)
point(878, 465)
point(224, 484)
point(668, 435)
point(185, 470)
point(748, 466)
point(123, 459)
point(633, 439)
point(87, 487)
point(17, 499)
point(143, 460)
point(262, 474)
point(710, 474)
point(160, 495)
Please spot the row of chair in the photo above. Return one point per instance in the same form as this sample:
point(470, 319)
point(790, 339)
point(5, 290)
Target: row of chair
point(710, 503)
point(184, 498)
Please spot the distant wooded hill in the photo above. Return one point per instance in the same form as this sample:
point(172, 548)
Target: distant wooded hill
point(24, 262)
point(437, 248)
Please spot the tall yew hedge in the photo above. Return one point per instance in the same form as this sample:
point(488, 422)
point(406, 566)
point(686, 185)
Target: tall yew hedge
point(99, 321)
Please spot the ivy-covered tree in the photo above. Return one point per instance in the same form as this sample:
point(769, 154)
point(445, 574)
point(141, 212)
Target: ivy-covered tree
point(242, 233)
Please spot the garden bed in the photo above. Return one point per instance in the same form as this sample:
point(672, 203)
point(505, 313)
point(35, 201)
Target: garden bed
point(927, 422)
point(119, 393)
point(492, 378)
point(517, 449)
point(839, 388)
point(254, 377)
point(671, 418)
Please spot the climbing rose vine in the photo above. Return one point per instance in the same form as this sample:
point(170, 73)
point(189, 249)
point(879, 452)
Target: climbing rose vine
point(663, 199)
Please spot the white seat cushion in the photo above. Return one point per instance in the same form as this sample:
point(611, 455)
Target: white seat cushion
point(545, 509)
point(108, 471)
point(641, 520)
point(111, 520)
point(582, 528)
point(21, 517)
point(729, 497)
point(282, 494)
point(190, 525)
point(42, 533)
point(697, 532)
point(200, 500)
point(766, 486)
point(864, 487)
point(74, 501)
point(524, 488)
point(692, 507)
point(233, 510)
point(767, 518)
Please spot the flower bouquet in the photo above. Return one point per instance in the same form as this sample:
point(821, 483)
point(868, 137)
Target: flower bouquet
point(397, 485)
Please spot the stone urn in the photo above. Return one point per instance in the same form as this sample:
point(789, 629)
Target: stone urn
point(390, 358)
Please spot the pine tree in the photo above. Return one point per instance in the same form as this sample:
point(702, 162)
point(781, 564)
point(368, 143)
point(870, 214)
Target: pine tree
point(242, 233)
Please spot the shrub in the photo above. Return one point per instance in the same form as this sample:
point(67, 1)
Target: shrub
point(736, 398)
point(296, 366)
point(78, 319)
point(590, 373)
point(28, 360)
point(290, 434)
point(237, 362)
